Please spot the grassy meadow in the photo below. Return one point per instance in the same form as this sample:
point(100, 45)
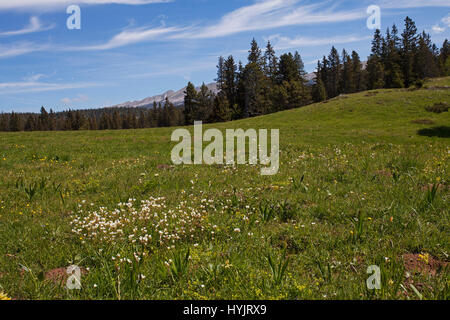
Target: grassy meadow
point(364, 180)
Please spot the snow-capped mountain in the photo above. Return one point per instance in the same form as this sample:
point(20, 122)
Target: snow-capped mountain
point(176, 97)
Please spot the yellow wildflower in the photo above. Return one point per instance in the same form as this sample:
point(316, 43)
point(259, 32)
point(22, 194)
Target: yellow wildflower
point(424, 257)
point(3, 296)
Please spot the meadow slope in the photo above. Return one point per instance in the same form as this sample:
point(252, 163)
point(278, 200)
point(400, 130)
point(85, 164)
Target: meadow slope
point(364, 180)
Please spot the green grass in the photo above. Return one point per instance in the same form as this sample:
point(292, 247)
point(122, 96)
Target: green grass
point(352, 191)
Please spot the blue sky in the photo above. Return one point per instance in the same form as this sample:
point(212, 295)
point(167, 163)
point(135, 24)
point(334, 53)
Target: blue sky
point(131, 49)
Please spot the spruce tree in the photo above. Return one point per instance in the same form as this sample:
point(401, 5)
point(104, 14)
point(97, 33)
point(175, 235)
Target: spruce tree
point(319, 92)
point(255, 54)
point(375, 66)
point(239, 108)
point(172, 115)
point(43, 124)
point(220, 73)
point(444, 61)
point(377, 44)
point(51, 120)
point(221, 111)
point(375, 73)
point(393, 76)
point(254, 93)
point(230, 79)
point(116, 121)
point(334, 73)
point(425, 61)
point(346, 81)
point(15, 122)
point(270, 63)
point(205, 98)
point(300, 65)
point(409, 45)
point(30, 124)
point(190, 104)
point(254, 83)
point(288, 68)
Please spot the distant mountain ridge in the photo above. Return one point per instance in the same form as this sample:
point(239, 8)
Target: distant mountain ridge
point(177, 97)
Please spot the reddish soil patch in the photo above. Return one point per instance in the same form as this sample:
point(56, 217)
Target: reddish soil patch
point(440, 187)
point(438, 88)
point(416, 263)
point(423, 121)
point(59, 275)
point(164, 167)
point(384, 173)
point(104, 138)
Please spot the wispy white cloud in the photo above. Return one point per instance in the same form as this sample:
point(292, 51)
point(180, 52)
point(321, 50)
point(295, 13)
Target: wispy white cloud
point(79, 98)
point(261, 15)
point(437, 28)
point(42, 5)
point(34, 77)
point(270, 14)
point(17, 49)
point(35, 25)
point(36, 86)
point(446, 21)
point(124, 38)
point(128, 37)
point(399, 4)
point(282, 43)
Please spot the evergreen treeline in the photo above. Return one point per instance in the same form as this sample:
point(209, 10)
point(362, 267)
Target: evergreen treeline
point(267, 84)
point(161, 115)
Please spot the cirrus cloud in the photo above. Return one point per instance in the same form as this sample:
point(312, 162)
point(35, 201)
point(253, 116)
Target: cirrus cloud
point(270, 14)
point(36, 86)
point(42, 5)
point(79, 98)
point(283, 43)
point(399, 4)
point(35, 25)
point(21, 48)
point(128, 37)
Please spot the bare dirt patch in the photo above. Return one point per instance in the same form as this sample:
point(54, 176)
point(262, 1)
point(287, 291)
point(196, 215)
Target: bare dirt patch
point(423, 121)
point(59, 275)
point(438, 88)
point(165, 167)
point(423, 264)
point(371, 94)
point(104, 138)
point(440, 187)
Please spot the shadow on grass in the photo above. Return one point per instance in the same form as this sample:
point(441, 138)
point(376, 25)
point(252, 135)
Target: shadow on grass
point(441, 132)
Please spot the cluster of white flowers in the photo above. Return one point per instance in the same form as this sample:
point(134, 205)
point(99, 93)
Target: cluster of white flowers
point(150, 222)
